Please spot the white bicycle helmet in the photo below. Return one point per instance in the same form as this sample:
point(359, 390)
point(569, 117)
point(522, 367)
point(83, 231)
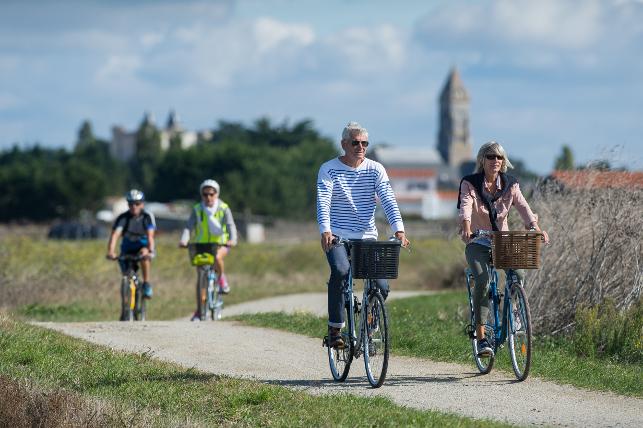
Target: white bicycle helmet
point(209, 183)
point(135, 195)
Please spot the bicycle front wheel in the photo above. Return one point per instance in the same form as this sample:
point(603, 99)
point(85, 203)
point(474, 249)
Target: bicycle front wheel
point(340, 359)
point(202, 294)
point(375, 340)
point(519, 322)
point(126, 312)
point(141, 304)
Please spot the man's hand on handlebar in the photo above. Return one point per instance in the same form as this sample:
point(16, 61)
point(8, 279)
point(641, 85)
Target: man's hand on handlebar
point(401, 236)
point(111, 256)
point(326, 241)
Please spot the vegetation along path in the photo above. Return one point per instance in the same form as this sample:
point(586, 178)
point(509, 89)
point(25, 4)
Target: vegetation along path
point(296, 361)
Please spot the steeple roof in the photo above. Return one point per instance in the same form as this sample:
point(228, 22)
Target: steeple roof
point(454, 89)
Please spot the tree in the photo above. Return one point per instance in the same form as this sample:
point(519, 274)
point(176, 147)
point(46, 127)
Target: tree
point(86, 139)
point(148, 154)
point(566, 159)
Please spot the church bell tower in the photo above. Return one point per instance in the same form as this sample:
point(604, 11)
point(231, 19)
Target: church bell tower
point(454, 140)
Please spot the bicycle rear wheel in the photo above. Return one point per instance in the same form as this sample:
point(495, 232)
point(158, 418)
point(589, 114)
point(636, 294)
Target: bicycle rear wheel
point(485, 362)
point(519, 332)
point(375, 340)
point(340, 359)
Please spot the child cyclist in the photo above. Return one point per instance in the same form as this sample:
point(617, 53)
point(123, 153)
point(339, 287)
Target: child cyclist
point(212, 223)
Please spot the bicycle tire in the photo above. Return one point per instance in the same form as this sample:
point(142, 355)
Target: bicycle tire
point(375, 340)
point(126, 314)
point(140, 305)
point(201, 293)
point(340, 359)
point(519, 332)
point(212, 300)
point(483, 363)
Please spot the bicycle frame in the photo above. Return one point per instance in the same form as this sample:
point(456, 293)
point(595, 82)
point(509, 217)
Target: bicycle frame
point(356, 338)
point(500, 324)
point(208, 273)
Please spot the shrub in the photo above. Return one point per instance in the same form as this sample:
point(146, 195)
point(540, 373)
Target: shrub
point(603, 331)
point(595, 254)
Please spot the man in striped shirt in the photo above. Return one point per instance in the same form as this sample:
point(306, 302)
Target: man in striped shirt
point(347, 187)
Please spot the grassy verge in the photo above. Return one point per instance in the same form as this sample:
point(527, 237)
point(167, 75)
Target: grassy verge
point(433, 327)
point(162, 394)
point(71, 280)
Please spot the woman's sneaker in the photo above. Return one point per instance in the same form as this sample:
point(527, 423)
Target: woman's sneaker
point(223, 284)
point(484, 348)
point(196, 316)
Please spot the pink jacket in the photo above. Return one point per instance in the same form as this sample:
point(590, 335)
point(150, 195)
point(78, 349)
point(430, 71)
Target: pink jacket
point(472, 208)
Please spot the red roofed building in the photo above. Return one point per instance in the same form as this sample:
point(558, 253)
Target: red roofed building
point(595, 179)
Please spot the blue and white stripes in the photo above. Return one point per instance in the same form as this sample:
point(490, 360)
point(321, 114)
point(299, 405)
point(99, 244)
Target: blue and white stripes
point(346, 199)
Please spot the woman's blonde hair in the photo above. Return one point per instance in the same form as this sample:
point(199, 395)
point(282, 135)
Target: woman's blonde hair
point(492, 148)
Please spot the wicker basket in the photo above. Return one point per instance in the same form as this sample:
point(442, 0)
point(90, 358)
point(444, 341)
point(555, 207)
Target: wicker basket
point(516, 250)
point(375, 259)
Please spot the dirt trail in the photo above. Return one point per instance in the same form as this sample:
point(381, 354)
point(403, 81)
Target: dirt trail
point(301, 362)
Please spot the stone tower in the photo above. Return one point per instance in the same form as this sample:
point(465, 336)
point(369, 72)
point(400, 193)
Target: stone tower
point(454, 141)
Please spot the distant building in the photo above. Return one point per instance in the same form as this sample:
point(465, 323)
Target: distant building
point(425, 180)
point(586, 179)
point(123, 144)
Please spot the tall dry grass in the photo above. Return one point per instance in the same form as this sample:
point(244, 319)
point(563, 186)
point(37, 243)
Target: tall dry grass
point(595, 255)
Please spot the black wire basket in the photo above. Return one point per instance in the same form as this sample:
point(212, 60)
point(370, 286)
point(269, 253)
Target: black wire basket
point(375, 259)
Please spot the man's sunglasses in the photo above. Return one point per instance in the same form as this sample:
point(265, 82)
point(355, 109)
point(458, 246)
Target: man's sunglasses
point(494, 157)
point(356, 143)
point(137, 203)
point(208, 194)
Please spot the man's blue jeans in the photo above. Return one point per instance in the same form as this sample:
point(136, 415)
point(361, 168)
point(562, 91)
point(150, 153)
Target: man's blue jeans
point(339, 267)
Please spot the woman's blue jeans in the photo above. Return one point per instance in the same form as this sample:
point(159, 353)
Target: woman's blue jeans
point(339, 267)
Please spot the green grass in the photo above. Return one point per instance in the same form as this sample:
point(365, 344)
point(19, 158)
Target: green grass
point(433, 327)
point(50, 280)
point(165, 394)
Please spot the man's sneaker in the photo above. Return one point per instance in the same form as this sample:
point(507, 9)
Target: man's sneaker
point(335, 338)
point(147, 290)
point(223, 285)
point(196, 316)
point(484, 349)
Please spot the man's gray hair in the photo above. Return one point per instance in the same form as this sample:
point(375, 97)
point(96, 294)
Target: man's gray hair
point(494, 148)
point(352, 130)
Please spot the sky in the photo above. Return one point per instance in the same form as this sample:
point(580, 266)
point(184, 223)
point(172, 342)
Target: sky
point(540, 74)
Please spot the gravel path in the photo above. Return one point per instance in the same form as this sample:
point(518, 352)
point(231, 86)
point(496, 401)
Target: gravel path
point(301, 362)
point(314, 303)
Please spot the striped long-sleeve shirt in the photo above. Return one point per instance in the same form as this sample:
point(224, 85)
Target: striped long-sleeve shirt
point(346, 199)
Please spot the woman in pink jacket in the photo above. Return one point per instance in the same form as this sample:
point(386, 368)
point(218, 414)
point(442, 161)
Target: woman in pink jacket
point(484, 202)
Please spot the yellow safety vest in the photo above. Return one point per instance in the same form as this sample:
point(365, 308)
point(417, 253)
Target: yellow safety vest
point(203, 235)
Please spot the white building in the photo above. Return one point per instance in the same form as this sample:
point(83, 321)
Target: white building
point(123, 144)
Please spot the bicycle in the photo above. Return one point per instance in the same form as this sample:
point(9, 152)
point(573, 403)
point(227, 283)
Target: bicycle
point(365, 330)
point(133, 304)
point(210, 299)
point(513, 325)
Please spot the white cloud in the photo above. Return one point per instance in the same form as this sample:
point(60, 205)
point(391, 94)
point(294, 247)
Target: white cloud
point(270, 34)
point(118, 69)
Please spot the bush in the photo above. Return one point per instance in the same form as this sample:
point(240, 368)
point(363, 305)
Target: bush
point(604, 331)
point(594, 257)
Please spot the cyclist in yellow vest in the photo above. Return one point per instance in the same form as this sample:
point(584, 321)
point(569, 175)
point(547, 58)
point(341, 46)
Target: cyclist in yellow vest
point(212, 223)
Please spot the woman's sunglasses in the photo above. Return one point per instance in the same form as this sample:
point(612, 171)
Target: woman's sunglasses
point(494, 157)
